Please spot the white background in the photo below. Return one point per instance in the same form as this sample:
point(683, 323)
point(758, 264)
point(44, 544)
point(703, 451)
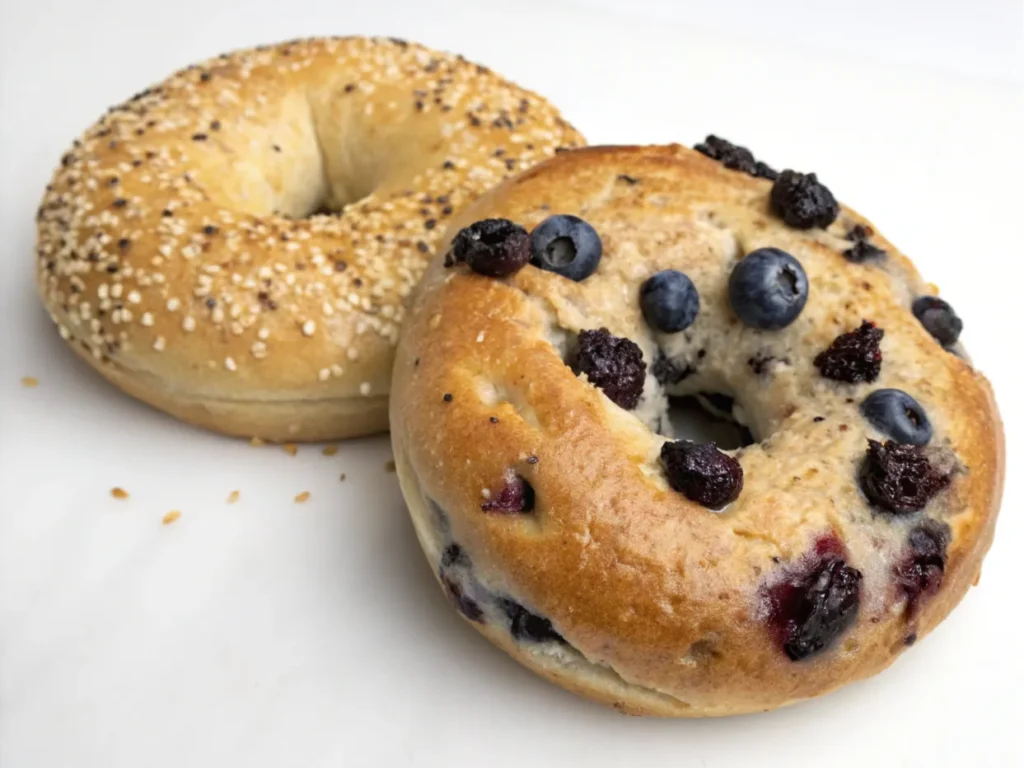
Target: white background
point(270, 633)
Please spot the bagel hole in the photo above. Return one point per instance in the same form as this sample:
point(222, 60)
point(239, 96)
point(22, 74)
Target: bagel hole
point(708, 417)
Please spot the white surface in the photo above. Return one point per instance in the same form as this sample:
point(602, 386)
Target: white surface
point(271, 633)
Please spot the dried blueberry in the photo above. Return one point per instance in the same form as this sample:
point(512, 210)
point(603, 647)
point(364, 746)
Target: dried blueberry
point(702, 473)
point(567, 246)
point(735, 157)
point(614, 364)
point(814, 606)
point(899, 478)
point(768, 289)
point(938, 318)
point(853, 357)
point(802, 201)
point(919, 572)
point(467, 606)
point(454, 555)
point(897, 415)
point(667, 372)
point(528, 626)
point(516, 495)
point(862, 250)
point(491, 247)
point(669, 301)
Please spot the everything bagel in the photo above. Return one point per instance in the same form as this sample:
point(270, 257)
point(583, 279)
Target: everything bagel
point(529, 425)
point(234, 245)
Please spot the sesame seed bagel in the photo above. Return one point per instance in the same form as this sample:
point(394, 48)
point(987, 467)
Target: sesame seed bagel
point(234, 245)
point(661, 576)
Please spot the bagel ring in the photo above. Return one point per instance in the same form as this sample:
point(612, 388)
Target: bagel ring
point(234, 245)
point(667, 577)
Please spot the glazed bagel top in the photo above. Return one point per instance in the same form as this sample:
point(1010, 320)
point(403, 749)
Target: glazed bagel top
point(249, 228)
point(698, 605)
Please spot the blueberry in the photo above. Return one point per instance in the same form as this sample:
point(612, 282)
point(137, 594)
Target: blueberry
point(528, 626)
point(899, 478)
point(491, 247)
point(768, 289)
point(802, 201)
point(702, 473)
point(896, 414)
point(567, 246)
point(919, 572)
point(614, 364)
point(938, 318)
point(814, 605)
point(669, 301)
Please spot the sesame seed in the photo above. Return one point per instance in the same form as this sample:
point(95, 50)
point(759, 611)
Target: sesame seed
point(302, 497)
point(330, 450)
point(290, 448)
point(173, 304)
point(159, 343)
point(308, 328)
point(324, 374)
point(258, 350)
point(146, 319)
point(364, 388)
point(29, 381)
point(229, 363)
point(119, 493)
point(188, 324)
point(171, 517)
point(233, 497)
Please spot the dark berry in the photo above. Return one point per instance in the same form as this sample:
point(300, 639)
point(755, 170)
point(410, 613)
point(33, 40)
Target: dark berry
point(919, 572)
point(896, 414)
point(667, 372)
point(702, 473)
point(899, 478)
point(567, 246)
point(454, 555)
point(735, 157)
point(516, 495)
point(862, 251)
point(938, 318)
point(813, 606)
point(669, 301)
point(802, 201)
point(768, 289)
point(491, 247)
point(853, 357)
point(467, 606)
point(615, 365)
point(528, 626)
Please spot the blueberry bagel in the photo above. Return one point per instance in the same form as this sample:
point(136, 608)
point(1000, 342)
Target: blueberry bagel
point(235, 244)
point(660, 575)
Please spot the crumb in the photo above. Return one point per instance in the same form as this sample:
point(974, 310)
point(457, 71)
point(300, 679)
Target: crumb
point(119, 493)
point(341, 477)
point(29, 381)
point(171, 516)
point(290, 448)
point(330, 450)
point(233, 497)
point(389, 466)
point(304, 496)
point(256, 442)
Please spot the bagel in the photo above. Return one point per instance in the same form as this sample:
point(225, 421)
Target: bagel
point(234, 245)
point(530, 428)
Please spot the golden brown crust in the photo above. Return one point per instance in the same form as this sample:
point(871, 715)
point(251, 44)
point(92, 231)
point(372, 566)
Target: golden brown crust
point(639, 580)
point(179, 248)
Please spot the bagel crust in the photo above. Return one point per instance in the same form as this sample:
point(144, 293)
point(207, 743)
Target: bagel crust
point(235, 244)
point(608, 582)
